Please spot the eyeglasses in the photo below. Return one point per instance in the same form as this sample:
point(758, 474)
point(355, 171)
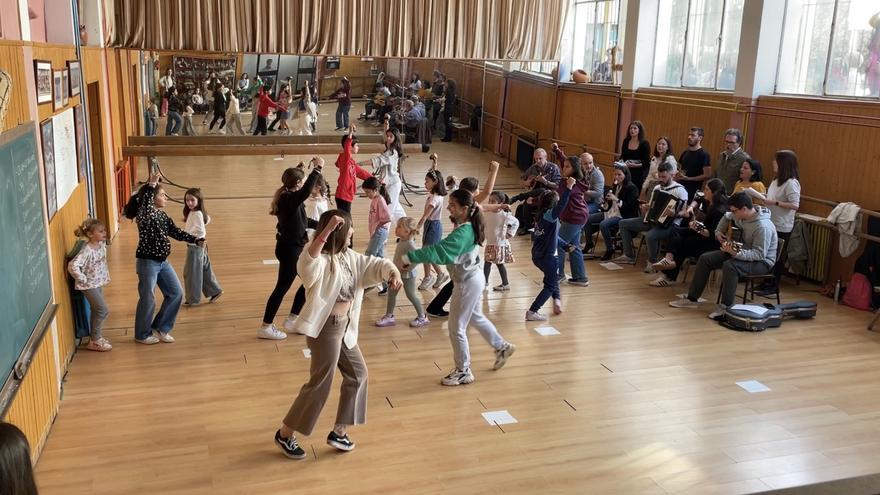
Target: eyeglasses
point(730, 142)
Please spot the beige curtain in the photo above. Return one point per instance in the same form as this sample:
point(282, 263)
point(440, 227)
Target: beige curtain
point(462, 29)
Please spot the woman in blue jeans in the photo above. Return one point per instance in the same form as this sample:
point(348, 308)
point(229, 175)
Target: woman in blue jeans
point(343, 97)
point(154, 228)
point(572, 220)
point(622, 201)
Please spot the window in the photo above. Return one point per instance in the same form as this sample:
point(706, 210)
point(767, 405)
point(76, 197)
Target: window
point(542, 68)
point(830, 48)
point(593, 28)
point(697, 43)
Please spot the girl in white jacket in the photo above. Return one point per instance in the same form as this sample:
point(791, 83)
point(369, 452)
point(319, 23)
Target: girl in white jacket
point(501, 225)
point(335, 277)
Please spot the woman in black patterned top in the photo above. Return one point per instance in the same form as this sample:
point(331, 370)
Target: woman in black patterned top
point(154, 228)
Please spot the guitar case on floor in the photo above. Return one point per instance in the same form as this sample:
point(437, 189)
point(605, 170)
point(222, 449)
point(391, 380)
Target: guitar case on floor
point(748, 321)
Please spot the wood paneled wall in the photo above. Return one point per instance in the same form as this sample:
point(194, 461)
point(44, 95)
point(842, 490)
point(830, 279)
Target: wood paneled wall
point(583, 116)
point(12, 61)
point(673, 113)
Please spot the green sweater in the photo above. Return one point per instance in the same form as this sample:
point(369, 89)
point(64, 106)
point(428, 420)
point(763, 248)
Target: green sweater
point(447, 251)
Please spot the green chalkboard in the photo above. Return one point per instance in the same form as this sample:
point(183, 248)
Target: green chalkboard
point(25, 287)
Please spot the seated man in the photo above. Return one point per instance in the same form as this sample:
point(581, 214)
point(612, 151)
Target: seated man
point(371, 109)
point(756, 256)
point(541, 175)
point(656, 233)
point(412, 118)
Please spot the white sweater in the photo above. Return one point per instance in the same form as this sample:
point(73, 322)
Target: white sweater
point(322, 280)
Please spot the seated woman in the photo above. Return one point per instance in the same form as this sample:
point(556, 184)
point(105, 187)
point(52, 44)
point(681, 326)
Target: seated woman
point(751, 176)
point(621, 201)
point(705, 213)
point(662, 153)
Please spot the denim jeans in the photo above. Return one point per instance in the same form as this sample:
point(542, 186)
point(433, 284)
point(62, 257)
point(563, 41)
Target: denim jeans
point(149, 126)
point(150, 274)
point(551, 282)
point(571, 233)
point(342, 115)
point(173, 124)
point(655, 234)
point(376, 246)
point(605, 227)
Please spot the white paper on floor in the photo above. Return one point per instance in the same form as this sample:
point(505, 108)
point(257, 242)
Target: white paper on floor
point(307, 353)
point(547, 331)
point(610, 265)
point(753, 386)
point(270, 262)
point(278, 158)
point(498, 417)
point(751, 308)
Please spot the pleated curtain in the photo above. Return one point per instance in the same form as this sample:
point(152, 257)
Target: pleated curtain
point(461, 29)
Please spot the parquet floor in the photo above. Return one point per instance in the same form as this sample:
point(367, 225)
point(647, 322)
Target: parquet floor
point(631, 397)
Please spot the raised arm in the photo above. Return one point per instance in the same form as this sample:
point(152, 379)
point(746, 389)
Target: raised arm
point(489, 186)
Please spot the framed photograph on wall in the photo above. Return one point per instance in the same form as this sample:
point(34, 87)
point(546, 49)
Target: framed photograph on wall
point(48, 139)
point(75, 77)
point(57, 89)
point(43, 79)
point(65, 86)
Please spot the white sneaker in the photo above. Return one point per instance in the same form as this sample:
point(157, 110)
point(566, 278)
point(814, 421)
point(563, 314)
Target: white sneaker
point(288, 324)
point(271, 333)
point(649, 267)
point(426, 282)
point(624, 260)
point(718, 313)
point(501, 288)
point(441, 281)
point(661, 281)
point(150, 340)
point(164, 337)
point(535, 316)
point(458, 377)
point(684, 303)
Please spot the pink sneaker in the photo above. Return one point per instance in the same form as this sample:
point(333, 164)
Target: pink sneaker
point(386, 321)
point(421, 321)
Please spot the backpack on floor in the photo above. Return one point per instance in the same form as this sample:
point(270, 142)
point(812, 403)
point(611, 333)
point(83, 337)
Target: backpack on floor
point(858, 293)
point(741, 319)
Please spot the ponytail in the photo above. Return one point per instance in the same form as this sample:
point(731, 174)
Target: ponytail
point(87, 227)
point(289, 180)
point(373, 184)
point(475, 213)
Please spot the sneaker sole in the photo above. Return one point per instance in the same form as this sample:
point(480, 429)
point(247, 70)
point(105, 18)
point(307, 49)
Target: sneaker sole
point(340, 446)
point(456, 384)
point(288, 455)
point(266, 337)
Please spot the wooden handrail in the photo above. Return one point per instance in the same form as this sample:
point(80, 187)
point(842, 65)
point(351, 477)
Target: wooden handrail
point(582, 146)
point(828, 202)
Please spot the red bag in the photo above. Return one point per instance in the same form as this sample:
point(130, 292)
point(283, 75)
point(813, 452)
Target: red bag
point(858, 293)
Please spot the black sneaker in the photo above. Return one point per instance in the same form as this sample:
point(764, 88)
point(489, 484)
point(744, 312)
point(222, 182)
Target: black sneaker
point(342, 443)
point(289, 446)
point(438, 314)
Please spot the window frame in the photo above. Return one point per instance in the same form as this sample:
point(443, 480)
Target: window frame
point(824, 94)
point(684, 52)
point(620, 29)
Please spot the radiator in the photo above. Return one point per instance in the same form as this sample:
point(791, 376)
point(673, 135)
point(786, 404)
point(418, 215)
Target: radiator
point(821, 236)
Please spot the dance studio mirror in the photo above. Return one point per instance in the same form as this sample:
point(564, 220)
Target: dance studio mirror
point(310, 87)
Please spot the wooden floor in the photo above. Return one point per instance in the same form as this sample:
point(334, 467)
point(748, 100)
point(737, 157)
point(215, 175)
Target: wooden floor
point(632, 397)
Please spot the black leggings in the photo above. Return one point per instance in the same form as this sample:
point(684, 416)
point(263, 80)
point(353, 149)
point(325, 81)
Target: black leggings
point(502, 270)
point(287, 255)
point(441, 299)
point(261, 126)
point(218, 116)
point(343, 205)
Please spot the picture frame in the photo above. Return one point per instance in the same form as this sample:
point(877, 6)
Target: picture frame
point(75, 77)
point(48, 146)
point(43, 80)
point(57, 89)
point(65, 86)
